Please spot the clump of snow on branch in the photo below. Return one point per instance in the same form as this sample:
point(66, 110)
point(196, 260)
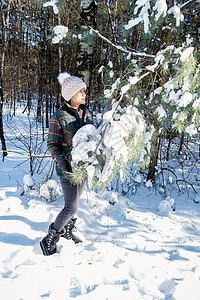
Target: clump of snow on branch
point(49, 191)
point(60, 32)
point(111, 73)
point(186, 53)
point(131, 81)
point(161, 9)
point(191, 130)
point(158, 59)
point(143, 15)
point(175, 10)
point(52, 3)
point(196, 103)
point(110, 64)
point(161, 112)
point(132, 23)
point(108, 92)
point(100, 69)
point(185, 99)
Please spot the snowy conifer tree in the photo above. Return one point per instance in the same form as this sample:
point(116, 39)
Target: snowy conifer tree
point(162, 81)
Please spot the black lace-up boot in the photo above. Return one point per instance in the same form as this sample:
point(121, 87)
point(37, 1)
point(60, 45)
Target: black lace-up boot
point(69, 228)
point(48, 244)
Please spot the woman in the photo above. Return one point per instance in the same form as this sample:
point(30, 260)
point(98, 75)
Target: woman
point(63, 125)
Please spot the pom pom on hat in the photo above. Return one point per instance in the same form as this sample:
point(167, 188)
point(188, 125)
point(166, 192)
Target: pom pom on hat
point(70, 85)
point(62, 77)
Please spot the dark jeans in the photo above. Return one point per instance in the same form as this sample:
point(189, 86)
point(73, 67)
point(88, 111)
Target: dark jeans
point(72, 194)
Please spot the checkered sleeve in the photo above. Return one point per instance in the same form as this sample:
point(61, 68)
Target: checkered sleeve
point(55, 139)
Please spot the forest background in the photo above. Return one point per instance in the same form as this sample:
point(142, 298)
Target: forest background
point(143, 53)
point(140, 60)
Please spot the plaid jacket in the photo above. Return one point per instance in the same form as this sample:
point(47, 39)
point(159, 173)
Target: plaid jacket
point(63, 126)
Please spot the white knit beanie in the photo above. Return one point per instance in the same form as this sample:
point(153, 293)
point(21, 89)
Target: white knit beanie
point(70, 85)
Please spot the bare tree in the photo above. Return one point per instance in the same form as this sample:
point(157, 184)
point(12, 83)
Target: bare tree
point(5, 10)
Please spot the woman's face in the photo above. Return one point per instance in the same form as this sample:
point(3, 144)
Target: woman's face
point(78, 98)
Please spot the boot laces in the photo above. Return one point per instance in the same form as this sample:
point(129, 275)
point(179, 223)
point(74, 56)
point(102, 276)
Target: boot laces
point(50, 239)
point(69, 230)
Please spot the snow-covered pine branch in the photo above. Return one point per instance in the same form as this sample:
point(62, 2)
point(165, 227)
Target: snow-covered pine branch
point(120, 48)
point(177, 102)
point(98, 154)
point(108, 93)
point(147, 12)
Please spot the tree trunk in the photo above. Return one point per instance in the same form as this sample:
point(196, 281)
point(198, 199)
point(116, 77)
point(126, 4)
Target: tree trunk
point(181, 143)
point(154, 159)
point(3, 142)
point(168, 148)
point(155, 144)
point(170, 3)
point(5, 26)
point(88, 14)
point(155, 152)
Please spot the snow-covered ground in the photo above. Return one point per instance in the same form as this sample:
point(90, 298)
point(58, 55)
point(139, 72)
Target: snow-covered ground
point(131, 250)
